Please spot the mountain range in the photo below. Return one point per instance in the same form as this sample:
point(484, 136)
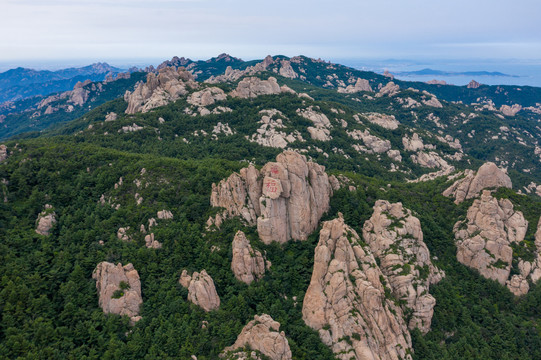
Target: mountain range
point(282, 208)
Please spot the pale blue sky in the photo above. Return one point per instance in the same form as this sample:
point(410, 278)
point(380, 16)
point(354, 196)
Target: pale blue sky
point(160, 29)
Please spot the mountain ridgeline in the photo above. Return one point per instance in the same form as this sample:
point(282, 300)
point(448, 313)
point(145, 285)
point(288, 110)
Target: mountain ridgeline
point(287, 208)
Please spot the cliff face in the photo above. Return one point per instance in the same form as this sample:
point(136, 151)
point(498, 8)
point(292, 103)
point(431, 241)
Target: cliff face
point(396, 239)
point(483, 239)
point(347, 300)
point(285, 199)
point(201, 290)
point(119, 289)
point(247, 264)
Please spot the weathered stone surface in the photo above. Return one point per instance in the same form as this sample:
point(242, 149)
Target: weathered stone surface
point(152, 243)
point(510, 110)
point(119, 289)
point(373, 143)
point(483, 239)
point(263, 334)
point(395, 237)
point(46, 220)
point(3, 153)
point(201, 290)
point(165, 215)
point(430, 160)
point(206, 96)
point(518, 285)
point(320, 130)
point(415, 143)
point(286, 205)
point(286, 70)
point(390, 89)
point(269, 134)
point(159, 90)
point(252, 87)
point(488, 176)
point(346, 300)
point(247, 264)
point(383, 120)
point(304, 197)
point(360, 85)
point(122, 234)
point(112, 116)
point(473, 85)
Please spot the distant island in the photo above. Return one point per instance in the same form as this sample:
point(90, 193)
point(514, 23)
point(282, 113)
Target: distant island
point(432, 72)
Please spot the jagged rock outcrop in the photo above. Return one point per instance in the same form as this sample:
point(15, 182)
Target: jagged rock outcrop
point(285, 199)
point(429, 160)
point(390, 89)
point(373, 143)
point(206, 96)
point(252, 87)
point(415, 143)
point(201, 290)
point(119, 289)
point(488, 176)
point(159, 90)
point(112, 116)
point(360, 85)
point(268, 133)
point(346, 301)
point(483, 239)
point(151, 242)
point(395, 237)
point(164, 214)
point(320, 130)
point(383, 120)
point(247, 264)
point(473, 85)
point(46, 220)
point(286, 70)
point(510, 110)
point(3, 153)
point(263, 334)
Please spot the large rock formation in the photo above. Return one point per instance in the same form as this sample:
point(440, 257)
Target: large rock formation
point(373, 144)
point(201, 290)
point(510, 110)
point(286, 70)
point(263, 334)
point(206, 96)
point(390, 89)
point(396, 239)
point(360, 85)
point(269, 134)
point(488, 176)
point(483, 239)
point(46, 220)
point(320, 130)
point(346, 301)
point(159, 90)
point(383, 120)
point(285, 199)
point(415, 143)
point(3, 153)
point(119, 289)
point(252, 87)
point(247, 264)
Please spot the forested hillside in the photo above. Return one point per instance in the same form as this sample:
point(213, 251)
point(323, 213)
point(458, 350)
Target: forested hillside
point(269, 215)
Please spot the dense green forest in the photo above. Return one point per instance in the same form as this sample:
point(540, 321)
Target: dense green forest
point(48, 299)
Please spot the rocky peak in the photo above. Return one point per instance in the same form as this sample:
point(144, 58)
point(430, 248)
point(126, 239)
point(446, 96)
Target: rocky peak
point(346, 301)
point(46, 220)
point(390, 89)
point(262, 334)
point(174, 62)
point(247, 264)
point(119, 289)
point(483, 239)
point(206, 96)
point(159, 90)
point(201, 290)
point(473, 85)
point(510, 110)
point(286, 70)
point(360, 85)
point(396, 239)
point(252, 87)
point(285, 199)
point(488, 176)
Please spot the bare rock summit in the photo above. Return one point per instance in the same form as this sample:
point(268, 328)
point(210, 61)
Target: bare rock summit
point(119, 289)
point(262, 334)
point(46, 220)
point(247, 264)
point(201, 290)
point(346, 301)
point(488, 176)
point(396, 239)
